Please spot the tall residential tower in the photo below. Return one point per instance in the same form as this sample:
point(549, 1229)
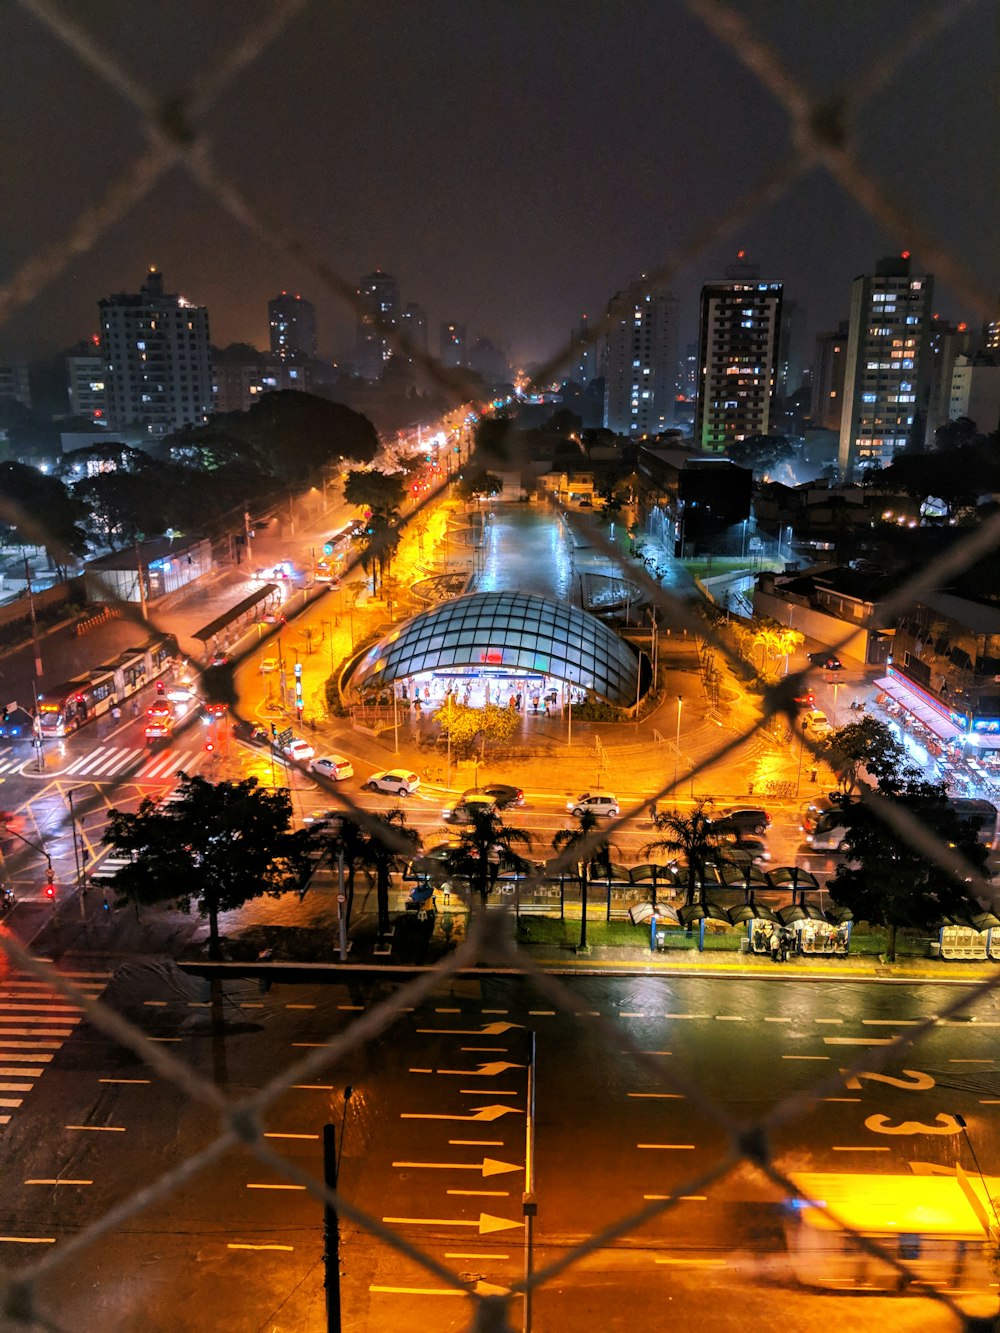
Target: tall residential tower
point(640, 385)
point(378, 316)
point(292, 323)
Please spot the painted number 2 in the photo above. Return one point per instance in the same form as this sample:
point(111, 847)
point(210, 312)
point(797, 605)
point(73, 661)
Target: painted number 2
point(914, 1080)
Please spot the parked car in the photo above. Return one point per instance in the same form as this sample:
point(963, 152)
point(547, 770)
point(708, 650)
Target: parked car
point(395, 781)
point(598, 803)
point(816, 724)
point(15, 723)
point(742, 819)
point(828, 661)
point(462, 811)
point(298, 749)
point(501, 793)
point(333, 766)
point(269, 664)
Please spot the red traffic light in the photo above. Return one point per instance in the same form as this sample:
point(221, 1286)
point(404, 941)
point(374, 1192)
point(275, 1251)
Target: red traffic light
point(50, 890)
point(209, 745)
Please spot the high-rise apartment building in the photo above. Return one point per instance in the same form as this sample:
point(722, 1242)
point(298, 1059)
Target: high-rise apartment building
point(887, 364)
point(640, 384)
point(413, 326)
point(737, 358)
point(14, 384)
point(378, 316)
point(586, 357)
point(156, 358)
point(454, 352)
point(85, 382)
point(829, 368)
point(292, 324)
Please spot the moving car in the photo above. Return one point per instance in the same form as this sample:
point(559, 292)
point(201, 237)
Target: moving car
point(501, 793)
point(816, 724)
point(598, 803)
point(333, 766)
point(742, 819)
point(462, 811)
point(298, 749)
point(827, 660)
point(14, 723)
point(829, 833)
point(160, 722)
point(395, 781)
point(268, 665)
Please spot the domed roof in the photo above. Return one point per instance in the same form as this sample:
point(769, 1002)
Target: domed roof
point(515, 631)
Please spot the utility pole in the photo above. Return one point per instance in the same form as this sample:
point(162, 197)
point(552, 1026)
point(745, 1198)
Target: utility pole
point(142, 580)
point(247, 535)
point(333, 1147)
point(77, 858)
point(34, 622)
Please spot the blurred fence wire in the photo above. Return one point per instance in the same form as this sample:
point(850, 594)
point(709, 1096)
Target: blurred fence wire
point(177, 133)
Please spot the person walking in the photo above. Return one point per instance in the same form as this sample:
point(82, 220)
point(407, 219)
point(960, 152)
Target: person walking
point(775, 947)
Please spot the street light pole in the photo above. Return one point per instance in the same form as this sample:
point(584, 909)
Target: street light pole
point(332, 1149)
point(34, 622)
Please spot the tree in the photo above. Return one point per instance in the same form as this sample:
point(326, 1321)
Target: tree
point(591, 854)
point(868, 744)
point(482, 845)
point(761, 453)
point(476, 481)
point(694, 835)
point(346, 838)
point(38, 510)
point(217, 847)
point(955, 434)
point(467, 725)
point(374, 490)
point(887, 881)
point(380, 853)
point(298, 433)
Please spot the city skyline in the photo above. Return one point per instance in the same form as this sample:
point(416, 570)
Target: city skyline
point(498, 191)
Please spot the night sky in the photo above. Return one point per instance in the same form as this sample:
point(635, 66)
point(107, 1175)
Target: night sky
point(511, 163)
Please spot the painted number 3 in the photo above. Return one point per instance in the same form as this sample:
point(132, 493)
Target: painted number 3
point(944, 1124)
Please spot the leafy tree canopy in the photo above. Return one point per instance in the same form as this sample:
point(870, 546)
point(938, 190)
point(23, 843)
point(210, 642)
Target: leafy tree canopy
point(867, 743)
point(219, 846)
point(301, 433)
point(475, 481)
point(693, 835)
point(484, 843)
point(467, 725)
point(372, 489)
point(761, 453)
point(38, 510)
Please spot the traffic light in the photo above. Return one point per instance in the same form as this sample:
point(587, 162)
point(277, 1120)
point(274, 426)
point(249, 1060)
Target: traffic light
point(50, 888)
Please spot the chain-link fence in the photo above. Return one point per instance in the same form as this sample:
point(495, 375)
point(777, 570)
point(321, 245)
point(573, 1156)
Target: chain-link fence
point(823, 137)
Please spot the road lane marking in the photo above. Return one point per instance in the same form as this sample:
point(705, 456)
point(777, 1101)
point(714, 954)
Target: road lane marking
point(664, 1096)
point(476, 1143)
point(124, 1080)
point(841, 1099)
point(989, 1101)
point(650, 1052)
point(12, 1102)
point(5, 1033)
point(482, 1254)
point(541, 1013)
point(892, 1022)
point(33, 1058)
point(449, 1011)
point(71, 1010)
point(488, 1030)
point(972, 1060)
point(59, 1182)
point(312, 1087)
point(854, 1147)
point(236, 1245)
point(309, 1044)
point(859, 1041)
point(420, 1071)
point(484, 1071)
point(481, 1113)
point(687, 1015)
point(625, 1014)
point(490, 1050)
point(419, 1291)
point(4, 1119)
point(352, 1008)
point(805, 1057)
point(491, 1194)
point(300, 1006)
point(162, 1038)
point(964, 1022)
point(494, 1092)
point(670, 1147)
point(199, 1004)
point(730, 1018)
point(777, 1020)
point(494, 1011)
point(29, 1071)
point(278, 1134)
point(828, 1020)
point(485, 1223)
point(27, 1240)
point(98, 1129)
point(251, 1004)
point(275, 1187)
point(489, 1166)
point(155, 1004)
point(16, 1087)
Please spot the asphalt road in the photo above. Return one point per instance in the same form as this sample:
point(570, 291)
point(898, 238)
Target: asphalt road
point(435, 1136)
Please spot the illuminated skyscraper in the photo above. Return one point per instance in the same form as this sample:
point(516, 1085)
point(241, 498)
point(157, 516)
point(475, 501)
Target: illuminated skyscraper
point(378, 315)
point(292, 322)
point(640, 385)
point(887, 363)
point(156, 356)
point(737, 358)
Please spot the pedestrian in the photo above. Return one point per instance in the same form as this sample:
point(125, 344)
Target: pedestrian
point(116, 714)
point(654, 811)
point(545, 705)
point(517, 701)
point(135, 707)
point(775, 947)
point(813, 773)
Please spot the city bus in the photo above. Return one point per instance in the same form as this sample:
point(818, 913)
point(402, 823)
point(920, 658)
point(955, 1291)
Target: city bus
point(63, 709)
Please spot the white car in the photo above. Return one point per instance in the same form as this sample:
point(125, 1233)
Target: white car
point(182, 693)
point(268, 665)
point(816, 724)
point(299, 750)
point(598, 803)
point(333, 766)
point(395, 781)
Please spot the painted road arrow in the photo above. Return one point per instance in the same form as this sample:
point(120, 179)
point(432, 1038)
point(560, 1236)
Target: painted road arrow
point(487, 1071)
point(483, 1113)
point(490, 1030)
point(489, 1166)
point(484, 1224)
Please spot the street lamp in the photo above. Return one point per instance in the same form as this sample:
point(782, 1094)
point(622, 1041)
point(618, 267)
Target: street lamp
point(677, 739)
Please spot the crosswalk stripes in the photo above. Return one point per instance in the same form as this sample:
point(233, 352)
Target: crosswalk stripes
point(35, 1021)
point(11, 759)
point(112, 761)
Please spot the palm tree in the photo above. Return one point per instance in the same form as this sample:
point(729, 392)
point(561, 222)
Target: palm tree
point(591, 854)
point(695, 835)
point(481, 846)
point(350, 842)
point(379, 853)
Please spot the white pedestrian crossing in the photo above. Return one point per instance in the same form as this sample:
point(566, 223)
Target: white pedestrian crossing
point(114, 761)
point(28, 1009)
point(10, 759)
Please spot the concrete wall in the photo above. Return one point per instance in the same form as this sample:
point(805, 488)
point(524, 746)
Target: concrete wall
point(815, 624)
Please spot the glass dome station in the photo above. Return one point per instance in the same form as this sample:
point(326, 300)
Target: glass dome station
point(490, 647)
